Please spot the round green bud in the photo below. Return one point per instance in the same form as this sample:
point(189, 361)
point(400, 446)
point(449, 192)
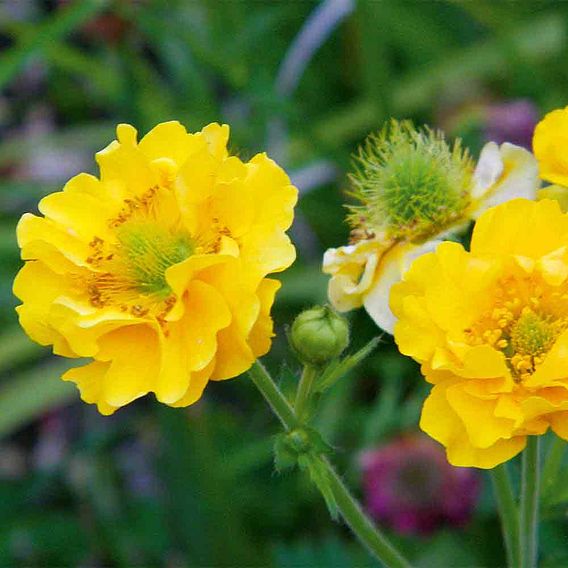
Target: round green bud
point(298, 441)
point(319, 335)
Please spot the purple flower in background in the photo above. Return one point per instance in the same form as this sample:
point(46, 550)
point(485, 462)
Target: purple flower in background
point(513, 121)
point(410, 486)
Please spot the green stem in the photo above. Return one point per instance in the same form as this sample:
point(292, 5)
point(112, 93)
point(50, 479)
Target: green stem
point(552, 466)
point(304, 391)
point(280, 406)
point(358, 522)
point(508, 513)
point(529, 503)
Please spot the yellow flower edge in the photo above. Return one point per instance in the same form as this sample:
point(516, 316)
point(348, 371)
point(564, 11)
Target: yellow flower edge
point(490, 330)
point(549, 144)
point(157, 270)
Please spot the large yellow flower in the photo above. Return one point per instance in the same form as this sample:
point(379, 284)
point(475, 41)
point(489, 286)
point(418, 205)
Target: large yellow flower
point(157, 270)
point(490, 329)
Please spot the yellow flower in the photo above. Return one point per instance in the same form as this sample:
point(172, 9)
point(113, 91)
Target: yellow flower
point(550, 142)
point(157, 270)
point(415, 190)
point(550, 147)
point(490, 329)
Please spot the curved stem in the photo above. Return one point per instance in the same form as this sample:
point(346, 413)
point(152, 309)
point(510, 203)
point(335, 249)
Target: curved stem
point(529, 503)
point(276, 400)
point(304, 390)
point(361, 526)
point(508, 513)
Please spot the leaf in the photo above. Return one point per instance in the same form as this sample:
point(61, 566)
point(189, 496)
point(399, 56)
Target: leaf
point(45, 34)
point(338, 369)
point(29, 395)
point(16, 347)
point(320, 477)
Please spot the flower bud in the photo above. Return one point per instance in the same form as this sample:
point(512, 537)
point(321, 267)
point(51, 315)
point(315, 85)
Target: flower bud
point(319, 335)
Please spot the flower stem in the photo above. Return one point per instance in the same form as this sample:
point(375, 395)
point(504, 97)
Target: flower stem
point(280, 406)
point(350, 510)
point(508, 513)
point(304, 390)
point(552, 466)
point(529, 503)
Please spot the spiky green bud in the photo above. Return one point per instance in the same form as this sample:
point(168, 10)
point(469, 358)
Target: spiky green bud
point(319, 335)
point(410, 183)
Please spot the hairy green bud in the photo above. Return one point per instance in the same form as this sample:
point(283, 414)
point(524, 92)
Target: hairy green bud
point(410, 183)
point(319, 335)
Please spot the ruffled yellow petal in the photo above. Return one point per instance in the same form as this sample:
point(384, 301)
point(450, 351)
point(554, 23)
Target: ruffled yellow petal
point(500, 232)
point(260, 338)
point(89, 380)
point(34, 312)
point(134, 363)
point(123, 164)
point(549, 144)
point(444, 424)
point(169, 140)
point(191, 343)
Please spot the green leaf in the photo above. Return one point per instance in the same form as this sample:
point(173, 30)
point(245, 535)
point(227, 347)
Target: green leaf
point(338, 369)
point(46, 34)
point(29, 395)
point(320, 477)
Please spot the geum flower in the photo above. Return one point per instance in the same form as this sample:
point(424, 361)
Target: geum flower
point(157, 270)
point(490, 329)
point(414, 191)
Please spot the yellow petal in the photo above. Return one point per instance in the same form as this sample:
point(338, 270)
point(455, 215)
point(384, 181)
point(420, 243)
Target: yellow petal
point(260, 338)
point(510, 229)
point(549, 143)
point(191, 343)
point(169, 140)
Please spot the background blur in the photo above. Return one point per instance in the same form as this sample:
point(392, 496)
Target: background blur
point(306, 81)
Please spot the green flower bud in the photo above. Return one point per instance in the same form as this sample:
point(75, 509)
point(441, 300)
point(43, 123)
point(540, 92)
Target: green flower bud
point(319, 335)
point(410, 183)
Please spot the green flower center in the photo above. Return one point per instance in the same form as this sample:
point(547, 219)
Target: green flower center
point(411, 184)
point(148, 250)
point(533, 334)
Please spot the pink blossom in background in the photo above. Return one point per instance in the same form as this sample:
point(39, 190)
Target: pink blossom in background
point(410, 487)
point(513, 121)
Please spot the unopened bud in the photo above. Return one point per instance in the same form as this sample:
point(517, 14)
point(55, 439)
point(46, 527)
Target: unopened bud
point(319, 335)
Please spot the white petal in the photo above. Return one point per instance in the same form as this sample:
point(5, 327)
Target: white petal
point(391, 270)
point(353, 270)
point(518, 177)
point(488, 170)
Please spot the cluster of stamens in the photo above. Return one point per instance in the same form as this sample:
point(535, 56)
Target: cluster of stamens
point(524, 322)
point(129, 272)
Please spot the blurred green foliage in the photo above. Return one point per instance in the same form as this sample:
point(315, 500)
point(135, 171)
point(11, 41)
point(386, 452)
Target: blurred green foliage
point(154, 486)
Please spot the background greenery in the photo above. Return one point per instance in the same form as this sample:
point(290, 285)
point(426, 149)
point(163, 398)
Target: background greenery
point(154, 486)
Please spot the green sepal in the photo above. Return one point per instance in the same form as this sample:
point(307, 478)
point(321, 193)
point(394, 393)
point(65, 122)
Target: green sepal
point(290, 447)
point(340, 367)
point(320, 477)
